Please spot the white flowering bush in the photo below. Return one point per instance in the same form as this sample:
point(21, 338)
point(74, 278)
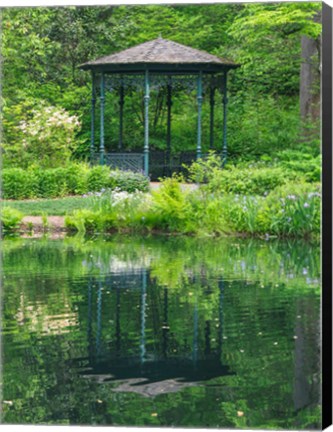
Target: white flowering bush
point(47, 135)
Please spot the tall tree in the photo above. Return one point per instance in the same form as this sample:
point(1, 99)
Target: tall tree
point(263, 27)
point(310, 74)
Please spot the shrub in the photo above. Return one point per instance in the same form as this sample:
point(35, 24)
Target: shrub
point(129, 181)
point(292, 210)
point(303, 163)
point(72, 179)
point(83, 220)
point(241, 213)
point(249, 181)
point(245, 180)
point(261, 125)
point(98, 178)
point(170, 205)
point(17, 184)
point(10, 219)
point(205, 170)
point(76, 175)
point(38, 132)
point(49, 183)
point(259, 177)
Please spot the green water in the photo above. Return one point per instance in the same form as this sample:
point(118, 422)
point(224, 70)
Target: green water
point(161, 331)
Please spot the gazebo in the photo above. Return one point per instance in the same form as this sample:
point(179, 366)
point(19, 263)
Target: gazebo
point(159, 63)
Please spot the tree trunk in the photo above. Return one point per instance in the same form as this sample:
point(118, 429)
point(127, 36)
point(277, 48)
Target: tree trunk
point(310, 77)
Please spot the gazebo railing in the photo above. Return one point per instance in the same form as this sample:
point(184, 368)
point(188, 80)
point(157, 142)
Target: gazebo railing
point(121, 161)
point(161, 163)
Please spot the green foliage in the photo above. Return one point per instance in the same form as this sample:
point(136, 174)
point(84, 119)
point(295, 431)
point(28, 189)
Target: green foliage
point(10, 219)
point(73, 179)
point(204, 170)
point(42, 48)
point(109, 210)
point(256, 178)
point(83, 220)
point(17, 183)
point(260, 124)
point(293, 209)
point(170, 205)
point(98, 177)
point(289, 210)
point(266, 41)
point(250, 181)
point(51, 207)
point(129, 181)
point(305, 164)
point(44, 134)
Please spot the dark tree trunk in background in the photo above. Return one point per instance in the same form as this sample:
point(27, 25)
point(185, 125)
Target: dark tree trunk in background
point(310, 76)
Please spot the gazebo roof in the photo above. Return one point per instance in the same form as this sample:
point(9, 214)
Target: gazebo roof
point(160, 54)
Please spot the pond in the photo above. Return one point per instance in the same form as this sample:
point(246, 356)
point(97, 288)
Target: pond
point(161, 331)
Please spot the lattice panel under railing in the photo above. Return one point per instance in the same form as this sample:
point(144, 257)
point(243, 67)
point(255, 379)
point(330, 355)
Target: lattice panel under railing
point(160, 163)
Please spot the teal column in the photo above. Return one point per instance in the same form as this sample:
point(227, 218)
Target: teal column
point(211, 125)
point(146, 125)
point(225, 103)
point(101, 146)
point(93, 105)
point(199, 98)
point(121, 114)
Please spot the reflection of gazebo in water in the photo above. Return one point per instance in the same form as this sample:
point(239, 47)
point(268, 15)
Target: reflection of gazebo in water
point(146, 371)
point(164, 65)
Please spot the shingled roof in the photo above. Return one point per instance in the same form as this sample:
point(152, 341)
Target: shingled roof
point(160, 53)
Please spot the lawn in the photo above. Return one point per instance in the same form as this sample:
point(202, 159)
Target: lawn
point(50, 207)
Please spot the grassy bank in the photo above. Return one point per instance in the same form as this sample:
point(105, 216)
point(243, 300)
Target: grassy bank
point(251, 200)
point(49, 207)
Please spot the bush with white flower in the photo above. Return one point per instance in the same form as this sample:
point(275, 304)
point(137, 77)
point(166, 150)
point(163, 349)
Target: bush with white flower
point(41, 135)
point(48, 135)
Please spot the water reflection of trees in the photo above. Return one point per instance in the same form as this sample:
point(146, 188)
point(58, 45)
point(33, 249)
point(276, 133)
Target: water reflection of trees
point(266, 287)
